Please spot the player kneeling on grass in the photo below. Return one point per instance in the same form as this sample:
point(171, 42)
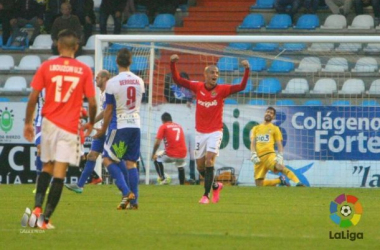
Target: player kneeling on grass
point(264, 157)
point(175, 148)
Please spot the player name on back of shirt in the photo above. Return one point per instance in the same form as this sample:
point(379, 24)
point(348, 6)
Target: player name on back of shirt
point(129, 82)
point(66, 68)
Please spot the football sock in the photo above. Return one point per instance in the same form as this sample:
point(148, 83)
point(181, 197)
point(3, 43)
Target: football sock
point(181, 176)
point(273, 182)
point(290, 175)
point(202, 173)
point(160, 169)
point(209, 179)
point(88, 169)
point(215, 185)
point(115, 173)
point(43, 182)
point(192, 169)
point(133, 176)
point(124, 171)
point(38, 165)
point(53, 198)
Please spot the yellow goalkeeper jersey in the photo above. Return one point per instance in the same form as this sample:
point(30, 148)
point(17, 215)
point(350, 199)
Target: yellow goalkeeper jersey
point(266, 135)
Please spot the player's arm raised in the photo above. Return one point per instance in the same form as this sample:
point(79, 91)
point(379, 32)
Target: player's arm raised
point(31, 106)
point(243, 84)
point(175, 74)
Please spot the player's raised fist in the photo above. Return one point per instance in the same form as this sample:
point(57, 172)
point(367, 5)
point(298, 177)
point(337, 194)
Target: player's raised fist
point(174, 58)
point(245, 63)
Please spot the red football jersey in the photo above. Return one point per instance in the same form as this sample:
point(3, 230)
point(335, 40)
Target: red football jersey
point(66, 81)
point(174, 139)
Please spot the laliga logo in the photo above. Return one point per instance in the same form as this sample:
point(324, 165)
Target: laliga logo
point(346, 211)
point(6, 120)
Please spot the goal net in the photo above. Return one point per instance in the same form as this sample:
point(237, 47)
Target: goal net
point(325, 90)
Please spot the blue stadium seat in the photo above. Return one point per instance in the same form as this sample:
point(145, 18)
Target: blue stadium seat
point(239, 46)
point(4, 99)
point(1, 40)
point(307, 22)
point(370, 103)
point(280, 21)
point(109, 63)
point(257, 64)
point(293, 46)
point(252, 21)
point(281, 66)
point(115, 47)
point(263, 4)
point(221, 80)
point(8, 46)
point(163, 21)
point(313, 103)
point(137, 21)
point(269, 86)
point(247, 89)
point(265, 47)
point(285, 102)
point(24, 99)
point(258, 102)
point(139, 63)
point(227, 64)
point(230, 101)
point(341, 103)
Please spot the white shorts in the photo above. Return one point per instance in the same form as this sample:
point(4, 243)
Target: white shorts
point(209, 142)
point(59, 145)
point(164, 158)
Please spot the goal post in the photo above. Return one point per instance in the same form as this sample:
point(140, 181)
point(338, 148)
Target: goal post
point(324, 88)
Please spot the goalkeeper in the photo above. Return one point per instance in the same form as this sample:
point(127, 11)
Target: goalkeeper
point(264, 157)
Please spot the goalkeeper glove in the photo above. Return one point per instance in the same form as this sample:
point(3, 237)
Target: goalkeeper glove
point(279, 159)
point(254, 158)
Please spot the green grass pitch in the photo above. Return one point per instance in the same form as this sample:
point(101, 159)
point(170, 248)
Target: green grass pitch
point(169, 217)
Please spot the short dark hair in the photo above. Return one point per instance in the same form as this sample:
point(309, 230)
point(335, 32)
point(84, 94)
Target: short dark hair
point(273, 109)
point(166, 117)
point(124, 58)
point(68, 38)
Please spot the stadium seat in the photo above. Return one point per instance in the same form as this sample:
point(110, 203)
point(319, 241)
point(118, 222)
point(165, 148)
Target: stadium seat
point(115, 47)
point(341, 103)
point(349, 47)
point(263, 4)
point(226, 64)
point(374, 89)
point(7, 62)
point(1, 41)
point(230, 101)
point(239, 46)
point(269, 86)
point(324, 86)
point(42, 41)
point(221, 80)
point(293, 46)
point(97, 4)
point(30, 62)
point(321, 47)
point(163, 21)
point(247, 89)
point(280, 21)
point(372, 47)
point(336, 64)
point(367, 103)
point(139, 63)
point(15, 84)
point(137, 21)
point(313, 103)
point(88, 60)
point(257, 102)
point(335, 22)
point(285, 102)
point(296, 86)
point(252, 21)
point(282, 65)
point(362, 22)
point(366, 64)
point(265, 47)
point(256, 64)
point(308, 22)
point(90, 45)
point(8, 45)
point(5, 99)
point(309, 64)
point(352, 87)
point(109, 63)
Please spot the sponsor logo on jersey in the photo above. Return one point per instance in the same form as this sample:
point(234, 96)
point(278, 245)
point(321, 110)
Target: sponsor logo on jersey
point(214, 94)
point(208, 104)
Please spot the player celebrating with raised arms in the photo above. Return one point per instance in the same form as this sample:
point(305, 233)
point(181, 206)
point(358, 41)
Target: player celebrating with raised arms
point(66, 81)
point(123, 98)
point(263, 138)
point(208, 120)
